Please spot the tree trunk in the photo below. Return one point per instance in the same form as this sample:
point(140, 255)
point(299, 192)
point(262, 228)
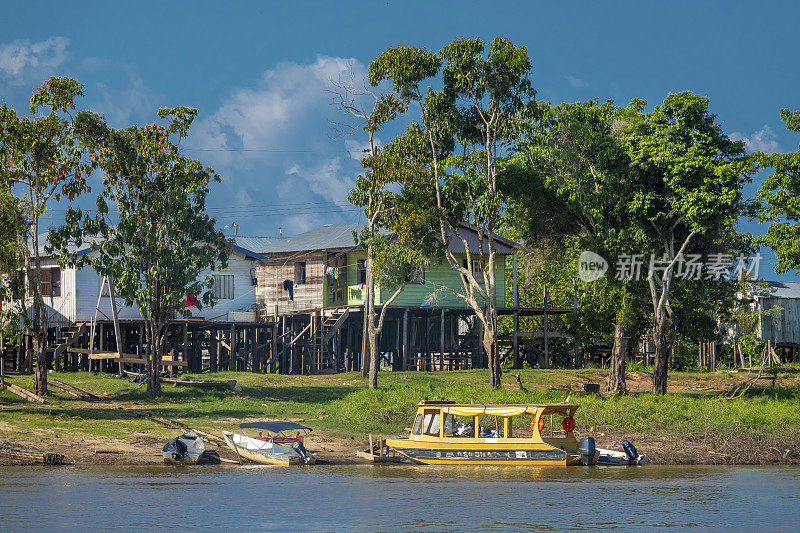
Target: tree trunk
point(374, 361)
point(661, 355)
point(616, 375)
point(38, 330)
point(371, 333)
point(153, 359)
point(490, 346)
point(365, 357)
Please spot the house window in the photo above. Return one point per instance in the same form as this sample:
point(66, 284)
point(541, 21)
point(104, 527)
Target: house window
point(362, 272)
point(223, 287)
point(477, 270)
point(300, 273)
point(50, 282)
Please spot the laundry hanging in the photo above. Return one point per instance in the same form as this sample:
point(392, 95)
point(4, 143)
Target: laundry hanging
point(288, 285)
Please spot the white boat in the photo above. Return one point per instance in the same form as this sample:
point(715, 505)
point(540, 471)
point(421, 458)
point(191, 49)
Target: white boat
point(184, 450)
point(274, 448)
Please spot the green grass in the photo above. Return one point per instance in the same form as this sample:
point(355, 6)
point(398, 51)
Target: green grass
point(342, 406)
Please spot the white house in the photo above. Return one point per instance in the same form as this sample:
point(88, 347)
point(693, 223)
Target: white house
point(71, 294)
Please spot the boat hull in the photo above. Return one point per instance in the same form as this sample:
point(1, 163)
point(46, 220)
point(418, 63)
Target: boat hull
point(264, 452)
point(475, 453)
point(187, 449)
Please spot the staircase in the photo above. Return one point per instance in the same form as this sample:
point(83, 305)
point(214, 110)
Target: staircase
point(323, 357)
point(68, 338)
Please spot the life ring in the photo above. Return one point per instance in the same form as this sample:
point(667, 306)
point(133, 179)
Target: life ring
point(568, 424)
point(541, 425)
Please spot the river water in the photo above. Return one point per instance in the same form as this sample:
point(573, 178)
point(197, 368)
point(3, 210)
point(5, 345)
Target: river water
point(399, 498)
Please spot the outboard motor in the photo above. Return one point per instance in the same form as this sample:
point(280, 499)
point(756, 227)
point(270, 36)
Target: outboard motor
point(633, 456)
point(301, 451)
point(587, 450)
point(180, 450)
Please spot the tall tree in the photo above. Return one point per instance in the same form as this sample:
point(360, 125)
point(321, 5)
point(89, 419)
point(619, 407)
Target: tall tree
point(780, 206)
point(688, 178)
point(371, 194)
point(570, 179)
point(44, 160)
point(159, 242)
point(462, 133)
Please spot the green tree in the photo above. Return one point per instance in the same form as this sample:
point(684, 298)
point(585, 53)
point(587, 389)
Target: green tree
point(687, 178)
point(43, 159)
point(159, 242)
point(390, 264)
point(570, 182)
point(463, 129)
point(779, 201)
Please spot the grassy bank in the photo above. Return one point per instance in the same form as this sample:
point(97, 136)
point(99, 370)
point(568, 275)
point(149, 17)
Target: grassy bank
point(693, 423)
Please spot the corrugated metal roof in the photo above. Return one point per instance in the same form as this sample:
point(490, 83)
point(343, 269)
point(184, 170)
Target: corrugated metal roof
point(329, 237)
point(782, 289)
point(339, 237)
point(85, 247)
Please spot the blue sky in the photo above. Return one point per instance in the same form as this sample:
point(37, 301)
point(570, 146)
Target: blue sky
point(259, 72)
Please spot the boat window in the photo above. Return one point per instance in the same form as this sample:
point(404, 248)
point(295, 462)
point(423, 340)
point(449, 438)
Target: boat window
point(448, 425)
point(431, 423)
point(417, 429)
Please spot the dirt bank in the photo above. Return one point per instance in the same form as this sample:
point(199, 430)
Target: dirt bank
point(660, 450)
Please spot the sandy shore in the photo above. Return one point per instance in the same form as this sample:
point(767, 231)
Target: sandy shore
point(660, 450)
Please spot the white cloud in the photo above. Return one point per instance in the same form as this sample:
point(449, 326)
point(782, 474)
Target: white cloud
point(24, 62)
point(276, 147)
point(763, 140)
point(284, 114)
point(121, 106)
point(577, 83)
point(327, 179)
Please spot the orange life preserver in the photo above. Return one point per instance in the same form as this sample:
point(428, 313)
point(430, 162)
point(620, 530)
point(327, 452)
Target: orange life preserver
point(568, 424)
point(541, 425)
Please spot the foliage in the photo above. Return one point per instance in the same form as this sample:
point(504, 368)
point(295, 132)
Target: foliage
point(158, 241)
point(779, 204)
point(44, 159)
point(470, 97)
point(686, 186)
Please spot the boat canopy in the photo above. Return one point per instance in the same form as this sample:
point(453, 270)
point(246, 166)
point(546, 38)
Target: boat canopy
point(274, 426)
point(503, 410)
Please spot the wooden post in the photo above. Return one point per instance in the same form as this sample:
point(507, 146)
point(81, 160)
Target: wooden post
point(232, 344)
point(546, 323)
point(185, 345)
point(515, 337)
point(441, 340)
point(514, 281)
point(404, 365)
point(397, 362)
point(273, 362)
point(213, 350)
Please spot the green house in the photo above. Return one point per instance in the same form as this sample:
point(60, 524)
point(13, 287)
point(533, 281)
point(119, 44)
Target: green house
point(324, 268)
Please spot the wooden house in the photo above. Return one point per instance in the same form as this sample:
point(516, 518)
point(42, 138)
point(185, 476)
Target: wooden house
point(313, 288)
point(783, 330)
point(324, 268)
point(73, 295)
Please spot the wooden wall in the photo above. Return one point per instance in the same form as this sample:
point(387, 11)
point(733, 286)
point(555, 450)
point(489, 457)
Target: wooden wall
point(786, 329)
point(281, 267)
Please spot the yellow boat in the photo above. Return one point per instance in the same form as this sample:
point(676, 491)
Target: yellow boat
point(444, 433)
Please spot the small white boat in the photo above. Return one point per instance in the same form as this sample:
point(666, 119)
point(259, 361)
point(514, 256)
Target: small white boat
point(184, 450)
point(274, 448)
point(629, 457)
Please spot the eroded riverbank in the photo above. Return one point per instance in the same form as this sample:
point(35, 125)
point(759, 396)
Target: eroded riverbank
point(695, 423)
